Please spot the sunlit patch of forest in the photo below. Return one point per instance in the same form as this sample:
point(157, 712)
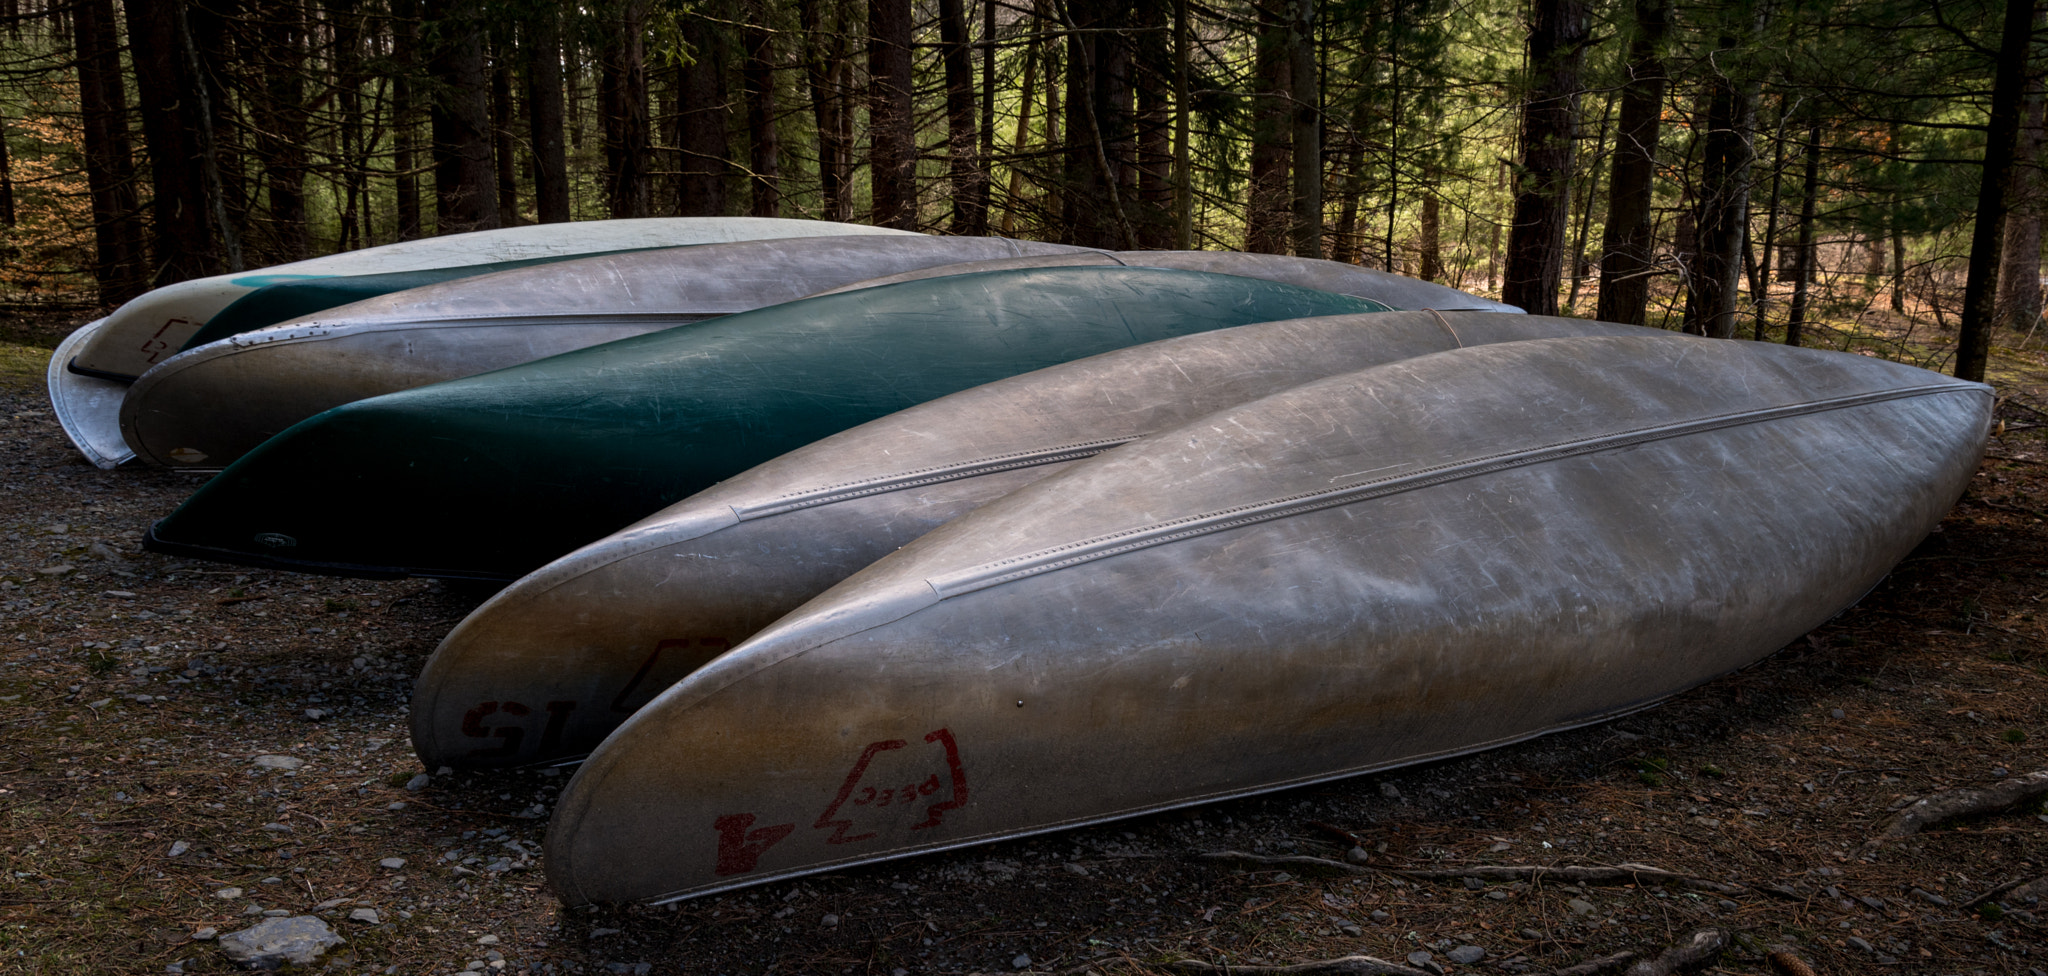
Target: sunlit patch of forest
point(1861, 174)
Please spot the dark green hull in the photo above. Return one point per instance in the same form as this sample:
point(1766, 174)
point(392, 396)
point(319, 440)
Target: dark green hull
point(490, 476)
point(284, 301)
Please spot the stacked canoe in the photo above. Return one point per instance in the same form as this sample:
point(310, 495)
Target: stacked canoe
point(985, 538)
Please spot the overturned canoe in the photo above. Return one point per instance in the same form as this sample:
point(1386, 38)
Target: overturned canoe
point(490, 476)
point(549, 666)
point(1398, 291)
point(1417, 560)
point(204, 408)
point(95, 363)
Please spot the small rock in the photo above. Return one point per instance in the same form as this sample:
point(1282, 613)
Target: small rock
point(1465, 955)
point(252, 909)
point(104, 552)
point(1474, 884)
point(1419, 959)
point(274, 942)
point(119, 594)
point(178, 848)
point(1351, 929)
point(56, 570)
point(1379, 916)
point(487, 940)
point(365, 915)
point(418, 783)
point(1580, 906)
point(1856, 943)
point(395, 806)
point(1074, 868)
point(394, 863)
point(600, 933)
point(204, 934)
point(1497, 895)
point(445, 771)
point(1357, 855)
point(276, 913)
point(278, 762)
point(332, 903)
point(316, 714)
point(1929, 897)
point(1390, 791)
point(228, 894)
point(102, 703)
point(829, 921)
point(1726, 905)
point(1023, 961)
point(278, 828)
point(1532, 935)
point(1838, 713)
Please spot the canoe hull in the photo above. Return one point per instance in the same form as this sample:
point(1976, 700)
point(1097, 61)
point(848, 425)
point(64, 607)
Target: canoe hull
point(87, 407)
point(1418, 560)
point(560, 658)
point(204, 408)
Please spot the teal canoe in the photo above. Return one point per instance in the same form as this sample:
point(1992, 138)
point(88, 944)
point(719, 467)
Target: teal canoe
point(489, 476)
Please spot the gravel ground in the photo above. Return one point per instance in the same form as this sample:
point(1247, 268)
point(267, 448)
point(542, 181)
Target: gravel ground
point(186, 748)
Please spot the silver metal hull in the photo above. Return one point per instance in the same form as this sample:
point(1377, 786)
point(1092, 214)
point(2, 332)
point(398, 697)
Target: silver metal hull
point(204, 408)
point(1397, 291)
point(149, 329)
point(550, 665)
point(1415, 560)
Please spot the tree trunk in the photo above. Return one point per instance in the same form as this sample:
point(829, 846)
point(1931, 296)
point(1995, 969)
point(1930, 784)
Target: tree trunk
point(1025, 91)
point(623, 102)
point(1099, 127)
point(701, 127)
point(465, 197)
point(1267, 210)
point(184, 239)
point(1627, 248)
point(1724, 195)
point(1306, 112)
point(543, 43)
point(1994, 192)
point(502, 113)
point(1580, 267)
point(1557, 38)
point(2019, 279)
point(119, 267)
point(348, 78)
point(894, 155)
point(7, 216)
point(208, 51)
point(764, 180)
point(969, 183)
point(1432, 250)
point(825, 51)
point(281, 132)
point(1183, 170)
point(1809, 194)
point(404, 122)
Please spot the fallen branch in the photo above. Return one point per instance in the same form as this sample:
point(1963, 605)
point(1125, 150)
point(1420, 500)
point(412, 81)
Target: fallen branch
point(1699, 949)
point(1995, 892)
point(1534, 873)
point(1593, 967)
point(1934, 809)
point(1344, 966)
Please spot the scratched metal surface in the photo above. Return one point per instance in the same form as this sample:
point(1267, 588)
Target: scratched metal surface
point(492, 476)
point(204, 408)
point(1398, 291)
point(550, 665)
point(1420, 559)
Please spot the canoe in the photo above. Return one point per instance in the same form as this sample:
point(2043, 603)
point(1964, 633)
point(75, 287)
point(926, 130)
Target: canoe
point(102, 356)
point(490, 476)
point(546, 668)
point(204, 408)
point(1398, 291)
point(1414, 561)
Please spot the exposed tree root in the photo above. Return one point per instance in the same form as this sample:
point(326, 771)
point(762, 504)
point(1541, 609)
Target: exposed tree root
point(1343, 966)
point(1594, 967)
point(1931, 810)
point(1699, 949)
point(1537, 873)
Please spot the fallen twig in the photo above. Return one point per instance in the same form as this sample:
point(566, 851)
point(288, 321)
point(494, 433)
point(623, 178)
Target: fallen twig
point(1995, 892)
point(1535, 873)
point(1298, 862)
point(1699, 948)
point(1932, 810)
point(1593, 967)
point(1343, 966)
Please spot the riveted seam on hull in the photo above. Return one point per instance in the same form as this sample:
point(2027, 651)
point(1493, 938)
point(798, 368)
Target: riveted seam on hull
point(1059, 557)
point(828, 494)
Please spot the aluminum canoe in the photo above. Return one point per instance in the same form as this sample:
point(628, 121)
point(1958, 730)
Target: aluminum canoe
point(491, 476)
point(1398, 291)
point(204, 408)
point(550, 665)
point(107, 353)
point(1418, 560)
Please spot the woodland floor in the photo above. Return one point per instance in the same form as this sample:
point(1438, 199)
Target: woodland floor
point(136, 690)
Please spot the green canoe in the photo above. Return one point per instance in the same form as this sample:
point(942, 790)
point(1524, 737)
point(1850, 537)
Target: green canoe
point(489, 476)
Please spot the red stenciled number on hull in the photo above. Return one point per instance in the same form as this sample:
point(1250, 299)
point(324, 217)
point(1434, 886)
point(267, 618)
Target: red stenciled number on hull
point(155, 344)
point(860, 766)
point(838, 816)
point(739, 848)
point(472, 726)
point(944, 737)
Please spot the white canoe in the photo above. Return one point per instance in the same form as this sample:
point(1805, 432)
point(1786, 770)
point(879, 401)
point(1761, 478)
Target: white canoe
point(92, 367)
point(1417, 560)
point(205, 407)
point(550, 665)
point(1392, 290)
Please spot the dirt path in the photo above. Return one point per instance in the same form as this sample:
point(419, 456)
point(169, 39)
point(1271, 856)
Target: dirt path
point(139, 695)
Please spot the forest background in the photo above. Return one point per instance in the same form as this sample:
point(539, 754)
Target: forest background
point(1793, 171)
